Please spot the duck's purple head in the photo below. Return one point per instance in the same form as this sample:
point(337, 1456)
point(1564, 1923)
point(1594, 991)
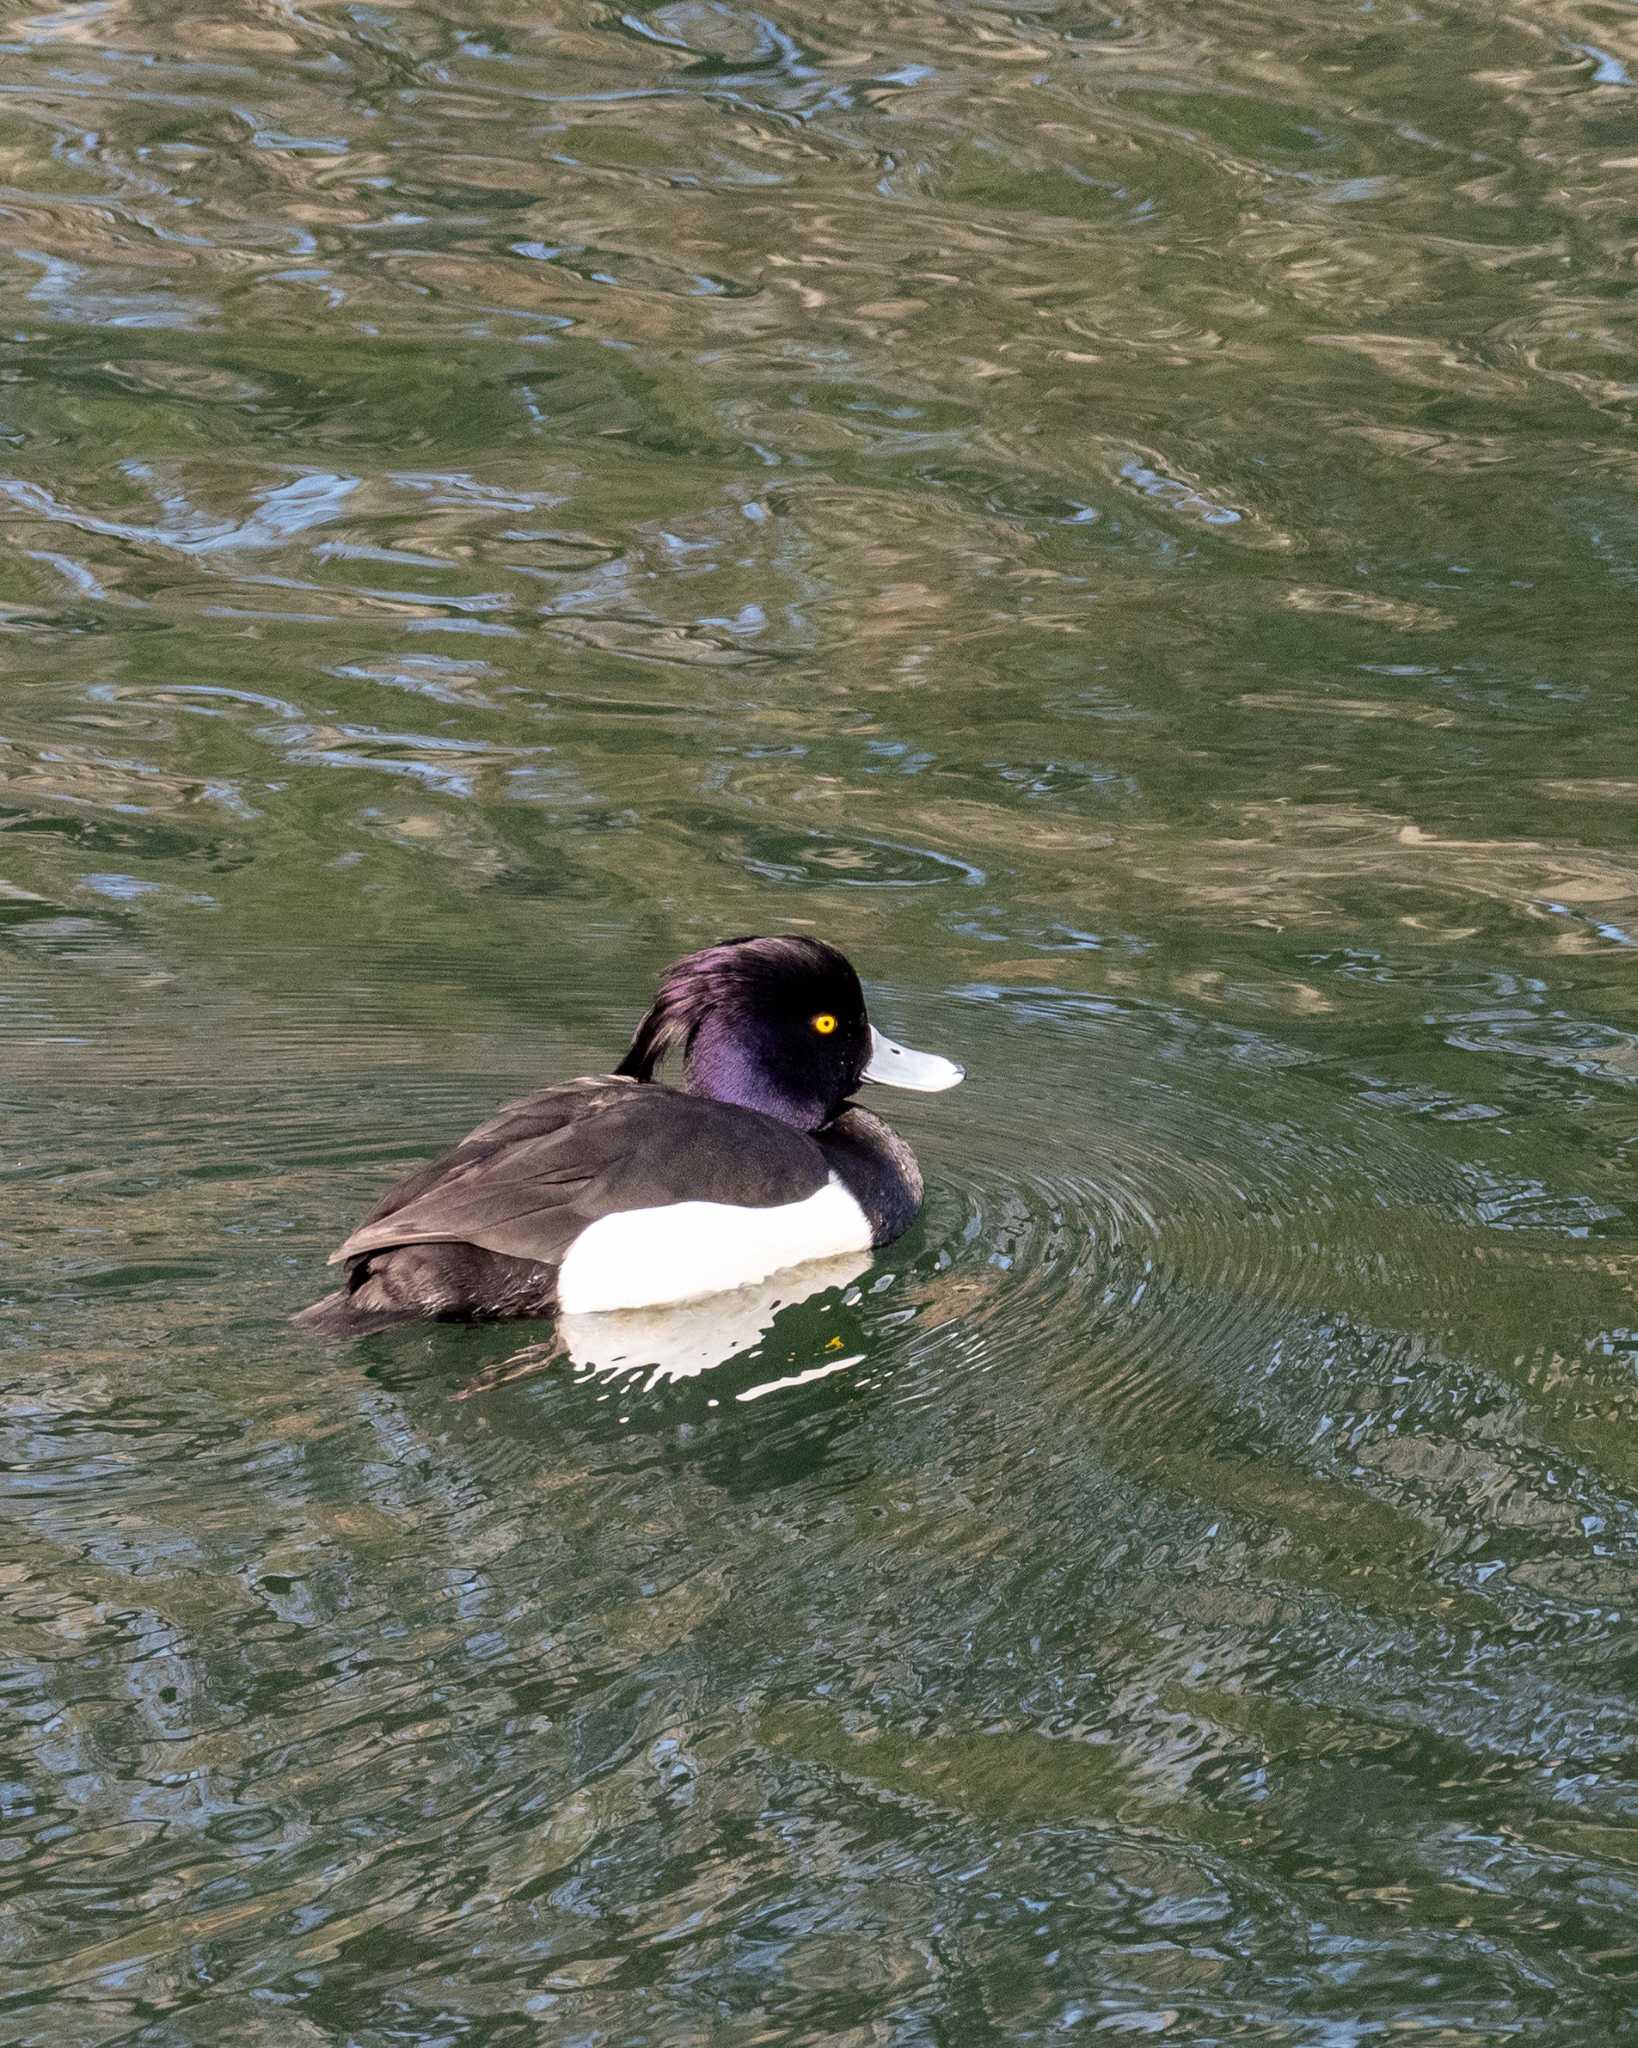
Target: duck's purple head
point(777, 1025)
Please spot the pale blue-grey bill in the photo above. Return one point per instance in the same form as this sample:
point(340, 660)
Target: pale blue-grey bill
point(902, 1067)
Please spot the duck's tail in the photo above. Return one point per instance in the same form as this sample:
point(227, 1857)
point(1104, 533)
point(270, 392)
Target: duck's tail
point(440, 1282)
point(344, 1314)
point(382, 1290)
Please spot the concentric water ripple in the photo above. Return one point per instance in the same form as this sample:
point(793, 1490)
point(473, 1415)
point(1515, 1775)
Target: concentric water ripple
point(1155, 1220)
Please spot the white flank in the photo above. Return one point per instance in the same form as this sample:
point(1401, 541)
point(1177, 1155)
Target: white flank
point(643, 1257)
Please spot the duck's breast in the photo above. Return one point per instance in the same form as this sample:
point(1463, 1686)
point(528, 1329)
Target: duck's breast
point(877, 1168)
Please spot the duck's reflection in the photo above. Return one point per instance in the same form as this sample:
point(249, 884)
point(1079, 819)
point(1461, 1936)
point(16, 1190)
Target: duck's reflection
point(654, 1347)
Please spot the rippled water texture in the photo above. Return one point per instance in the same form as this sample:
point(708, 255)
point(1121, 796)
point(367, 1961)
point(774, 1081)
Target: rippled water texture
point(1127, 523)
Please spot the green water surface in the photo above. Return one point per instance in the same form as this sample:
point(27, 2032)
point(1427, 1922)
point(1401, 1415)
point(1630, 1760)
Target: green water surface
point(1125, 521)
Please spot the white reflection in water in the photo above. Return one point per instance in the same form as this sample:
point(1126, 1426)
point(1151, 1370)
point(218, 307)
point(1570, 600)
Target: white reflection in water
point(656, 1347)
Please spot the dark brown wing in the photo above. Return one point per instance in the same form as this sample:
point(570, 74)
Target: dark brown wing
point(526, 1183)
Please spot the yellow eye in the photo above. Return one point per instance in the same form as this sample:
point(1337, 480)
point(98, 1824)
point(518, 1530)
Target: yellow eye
point(824, 1023)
